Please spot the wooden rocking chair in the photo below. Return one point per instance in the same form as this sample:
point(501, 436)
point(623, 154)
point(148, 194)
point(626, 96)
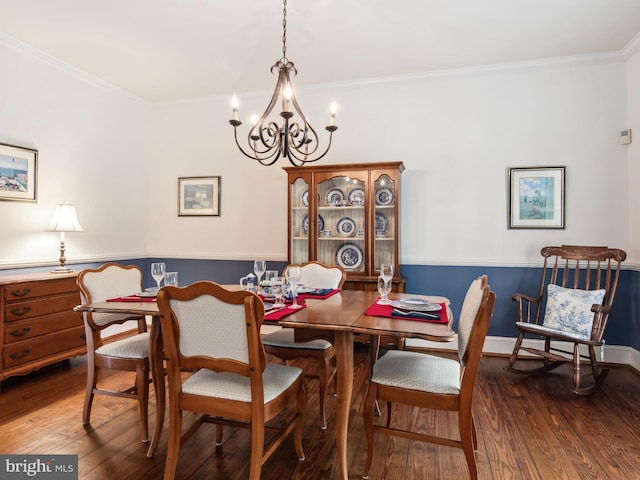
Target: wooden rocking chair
point(578, 286)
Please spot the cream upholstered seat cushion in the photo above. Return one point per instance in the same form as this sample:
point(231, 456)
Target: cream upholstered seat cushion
point(417, 371)
point(132, 347)
point(231, 386)
point(286, 338)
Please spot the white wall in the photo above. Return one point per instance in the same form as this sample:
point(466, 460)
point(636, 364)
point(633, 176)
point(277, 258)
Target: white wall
point(633, 149)
point(93, 147)
point(118, 159)
point(457, 133)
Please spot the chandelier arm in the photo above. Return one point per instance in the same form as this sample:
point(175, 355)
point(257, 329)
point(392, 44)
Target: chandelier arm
point(264, 161)
point(291, 156)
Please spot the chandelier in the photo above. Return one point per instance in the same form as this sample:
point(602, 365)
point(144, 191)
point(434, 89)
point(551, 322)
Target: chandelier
point(293, 139)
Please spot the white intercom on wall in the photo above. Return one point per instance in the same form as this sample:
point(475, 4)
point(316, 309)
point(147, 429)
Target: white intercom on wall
point(625, 137)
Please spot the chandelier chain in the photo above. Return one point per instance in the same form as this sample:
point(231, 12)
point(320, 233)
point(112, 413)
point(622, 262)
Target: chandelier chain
point(284, 30)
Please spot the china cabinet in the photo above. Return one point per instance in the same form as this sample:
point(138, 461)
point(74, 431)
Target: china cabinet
point(347, 215)
point(38, 324)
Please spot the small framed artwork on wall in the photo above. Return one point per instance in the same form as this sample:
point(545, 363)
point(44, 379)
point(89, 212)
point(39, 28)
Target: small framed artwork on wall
point(18, 173)
point(536, 197)
point(199, 196)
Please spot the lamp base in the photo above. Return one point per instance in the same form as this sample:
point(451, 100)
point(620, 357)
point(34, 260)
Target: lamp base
point(61, 270)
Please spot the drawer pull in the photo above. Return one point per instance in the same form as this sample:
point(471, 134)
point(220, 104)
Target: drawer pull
point(21, 293)
point(18, 333)
point(17, 311)
point(18, 356)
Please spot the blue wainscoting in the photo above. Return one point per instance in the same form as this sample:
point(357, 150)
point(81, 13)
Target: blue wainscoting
point(448, 281)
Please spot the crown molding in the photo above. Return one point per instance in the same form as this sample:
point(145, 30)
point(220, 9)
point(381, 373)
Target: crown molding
point(70, 70)
point(632, 47)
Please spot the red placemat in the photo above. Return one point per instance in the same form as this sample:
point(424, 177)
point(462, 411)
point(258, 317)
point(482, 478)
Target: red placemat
point(387, 311)
point(132, 298)
point(277, 315)
point(321, 295)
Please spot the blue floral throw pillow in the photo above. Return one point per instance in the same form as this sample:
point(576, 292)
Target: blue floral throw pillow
point(569, 309)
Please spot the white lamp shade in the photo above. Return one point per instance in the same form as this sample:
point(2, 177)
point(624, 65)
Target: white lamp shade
point(64, 219)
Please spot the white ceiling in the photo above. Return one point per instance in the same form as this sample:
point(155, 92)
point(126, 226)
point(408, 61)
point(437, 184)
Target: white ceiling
point(169, 50)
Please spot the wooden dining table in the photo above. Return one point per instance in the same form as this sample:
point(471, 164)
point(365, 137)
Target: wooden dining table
point(337, 318)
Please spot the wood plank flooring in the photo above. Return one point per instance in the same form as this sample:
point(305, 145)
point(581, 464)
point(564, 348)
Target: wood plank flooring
point(528, 428)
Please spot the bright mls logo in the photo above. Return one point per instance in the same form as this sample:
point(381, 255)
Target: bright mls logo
point(43, 467)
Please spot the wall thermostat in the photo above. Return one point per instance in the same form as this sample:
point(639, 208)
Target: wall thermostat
point(625, 137)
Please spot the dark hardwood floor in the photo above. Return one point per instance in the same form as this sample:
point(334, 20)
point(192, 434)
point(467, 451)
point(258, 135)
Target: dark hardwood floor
point(528, 428)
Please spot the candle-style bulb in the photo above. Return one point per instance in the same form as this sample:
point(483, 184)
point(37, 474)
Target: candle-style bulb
point(234, 106)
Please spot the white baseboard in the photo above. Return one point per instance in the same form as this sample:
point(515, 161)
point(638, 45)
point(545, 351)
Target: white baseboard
point(615, 354)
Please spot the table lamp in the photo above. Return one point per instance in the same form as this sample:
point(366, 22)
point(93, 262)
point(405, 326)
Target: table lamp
point(64, 220)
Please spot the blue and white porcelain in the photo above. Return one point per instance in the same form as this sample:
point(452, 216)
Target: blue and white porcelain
point(384, 196)
point(304, 198)
point(349, 256)
point(334, 196)
point(356, 196)
point(346, 227)
point(382, 224)
point(304, 225)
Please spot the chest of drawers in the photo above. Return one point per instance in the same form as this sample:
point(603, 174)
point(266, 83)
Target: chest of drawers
point(37, 323)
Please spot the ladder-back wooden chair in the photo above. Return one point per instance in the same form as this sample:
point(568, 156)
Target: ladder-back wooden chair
point(113, 280)
point(438, 383)
point(577, 290)
point(214, 334)
point(282, 343)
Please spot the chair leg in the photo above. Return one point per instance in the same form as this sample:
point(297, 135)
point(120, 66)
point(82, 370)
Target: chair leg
point(324, 366)
point(368, 415)
point(599, 375)
point(173, 446)
point(469, 441)
point(257, 448)
point(516, 349)
point(219, 433)
point(142, 390)
point(301, 406)
point(92, 379)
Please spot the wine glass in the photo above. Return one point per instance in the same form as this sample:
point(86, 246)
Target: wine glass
point(277, 290)
point(293, 277)
point(384, 288)
point(386, 271)
point(259, 267)
point(157, 272)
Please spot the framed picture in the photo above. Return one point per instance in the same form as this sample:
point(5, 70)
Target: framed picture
point(199, 196)
point(536, 197)
point(18, 173)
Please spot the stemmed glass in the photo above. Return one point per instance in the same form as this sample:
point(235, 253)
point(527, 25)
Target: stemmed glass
point(259, 267)
point(293, 277)
point(384, 288)
point(157, 272)
point(277, 290)
point(386, 271)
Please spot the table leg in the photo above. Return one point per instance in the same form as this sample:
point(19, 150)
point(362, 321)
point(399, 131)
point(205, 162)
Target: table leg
point(343, 343)
point(156, 358)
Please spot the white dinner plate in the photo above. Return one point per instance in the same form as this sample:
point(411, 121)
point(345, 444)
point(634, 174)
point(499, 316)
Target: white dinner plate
point(147, 294)
point(416, 304)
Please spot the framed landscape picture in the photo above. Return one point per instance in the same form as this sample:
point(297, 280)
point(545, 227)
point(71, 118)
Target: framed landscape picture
point(199, 196)
point(536, 197)
point(18, 173)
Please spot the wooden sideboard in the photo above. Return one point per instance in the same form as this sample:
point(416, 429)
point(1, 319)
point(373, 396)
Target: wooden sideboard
point(37, 323)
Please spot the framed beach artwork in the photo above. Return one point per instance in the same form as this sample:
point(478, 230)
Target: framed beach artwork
point(536, 197)
point(18, 173)
point(199, 197)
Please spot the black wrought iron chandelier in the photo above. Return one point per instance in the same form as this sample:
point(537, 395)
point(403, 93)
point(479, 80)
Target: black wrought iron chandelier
point(295, 140)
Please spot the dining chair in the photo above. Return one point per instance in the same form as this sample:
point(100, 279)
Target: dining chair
point(580, 284)
point(113, 280)
point(214, 334)
point(438, 383)
point(282, 344)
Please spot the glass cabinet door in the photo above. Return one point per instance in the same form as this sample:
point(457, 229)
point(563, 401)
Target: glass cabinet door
point(385, 222)
point(341, 228)
point(299, 221)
